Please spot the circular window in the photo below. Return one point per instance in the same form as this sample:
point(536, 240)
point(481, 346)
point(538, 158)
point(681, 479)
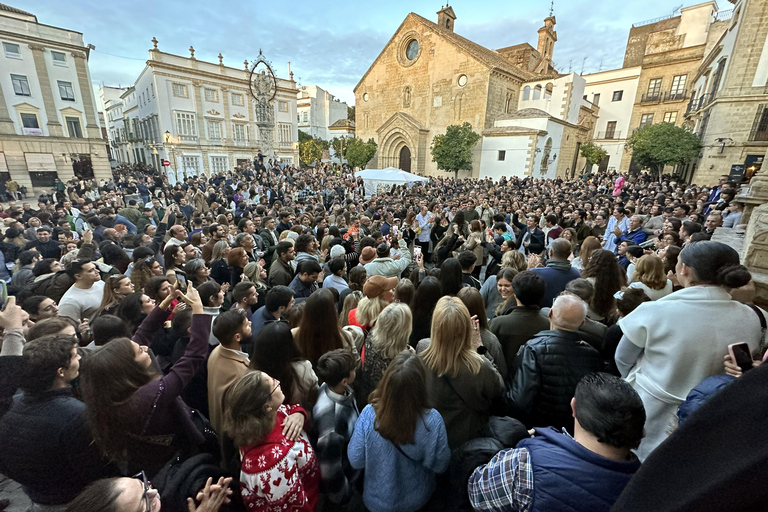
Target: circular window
point(365, 97)
point(462, 80)
point(412, 50)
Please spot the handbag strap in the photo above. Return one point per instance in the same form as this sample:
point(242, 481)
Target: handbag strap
point(160, 390)
point(763, 327)
point(397, 446)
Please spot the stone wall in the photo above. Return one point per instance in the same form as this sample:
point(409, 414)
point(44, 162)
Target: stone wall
point(638, 40)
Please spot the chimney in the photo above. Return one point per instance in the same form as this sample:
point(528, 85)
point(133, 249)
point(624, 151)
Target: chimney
point(446, 17)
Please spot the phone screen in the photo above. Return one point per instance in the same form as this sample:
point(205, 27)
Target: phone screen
point(742, 355)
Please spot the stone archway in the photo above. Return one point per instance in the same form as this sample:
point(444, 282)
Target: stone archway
point(405, 159)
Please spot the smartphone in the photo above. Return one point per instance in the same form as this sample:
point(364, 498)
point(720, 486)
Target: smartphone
point(741, 355)
point(417, 251)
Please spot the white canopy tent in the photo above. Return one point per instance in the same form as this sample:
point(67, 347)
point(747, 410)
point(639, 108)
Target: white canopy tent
point(372, 178)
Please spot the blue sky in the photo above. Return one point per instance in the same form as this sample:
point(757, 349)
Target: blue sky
point(330, 44)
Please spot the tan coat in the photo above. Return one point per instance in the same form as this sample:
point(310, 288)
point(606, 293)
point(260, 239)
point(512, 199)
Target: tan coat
point(225, 367)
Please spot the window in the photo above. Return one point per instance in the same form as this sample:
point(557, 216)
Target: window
point(237, 99)
point(537, 92)
point(670, 117)
point(646, 119)
point(185, 124)
point(760, 125)
point(214, 130)
point(59, 58)
point(191, 165)
point(282, 106)
point(12, 50)
point(595, 99)
point(678, 87)
point(211, 95)
point(73, 127)
point(412, 49)
point(66, 91)
point(284, 133)
point(20, 85)
point(716, 79)
point(654, 87)
point(180, 91)
point(305, 117)
point(617, 95)
point(238, 132)
point(219, 164)
point(502, 156)
point(610, 130)
point(29, 121)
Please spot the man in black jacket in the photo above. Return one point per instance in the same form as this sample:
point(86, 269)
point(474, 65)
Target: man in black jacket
point(531, 239)
point(44, 244)
point(549, 366)
point(47, 445)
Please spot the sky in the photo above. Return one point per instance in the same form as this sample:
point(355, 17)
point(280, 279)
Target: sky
point(332, 43)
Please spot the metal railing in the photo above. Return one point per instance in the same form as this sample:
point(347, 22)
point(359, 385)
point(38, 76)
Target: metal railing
point(724, 15)
point(649, 22)
point(188, 138)
point(651, 97)
point(675, 96)
point(241, 143)
point(609, 135)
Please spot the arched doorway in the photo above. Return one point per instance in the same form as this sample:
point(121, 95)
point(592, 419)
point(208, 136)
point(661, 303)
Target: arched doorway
point(405, 159)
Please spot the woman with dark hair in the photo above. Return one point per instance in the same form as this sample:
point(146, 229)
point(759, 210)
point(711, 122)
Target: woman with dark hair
point(113, 255)
point(237, 260)
point(605, 274)
point(319, 330)
point(422, 306)
point(399, 440)
point(144, 270)
point(134, 308)
point(356, 277)
point(670, 256)
point(450, 276)
point(197, 272)
point(276, 353)
point(670, 345)
point(175, 258)
point(475, 244)
point(220, 270)
point(136, 415)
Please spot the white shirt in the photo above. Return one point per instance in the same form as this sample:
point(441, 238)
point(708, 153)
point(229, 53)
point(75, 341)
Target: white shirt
point(78, 303)
point(425, 223)
point(651, 293)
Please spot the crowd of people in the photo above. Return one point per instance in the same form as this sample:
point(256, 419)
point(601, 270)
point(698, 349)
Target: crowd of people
point(271, 339)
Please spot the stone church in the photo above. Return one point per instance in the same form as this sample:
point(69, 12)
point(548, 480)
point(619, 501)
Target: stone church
point(532, 119)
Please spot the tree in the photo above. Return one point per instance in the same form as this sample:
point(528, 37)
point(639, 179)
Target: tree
point(657, 145)
point(304, 136)
point(310, 151)
point(453, 151)
point(359, 153)
point(351, 113)
point(593, 153)
point(340, 145)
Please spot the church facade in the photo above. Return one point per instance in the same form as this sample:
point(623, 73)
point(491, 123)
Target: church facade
point(427, 78)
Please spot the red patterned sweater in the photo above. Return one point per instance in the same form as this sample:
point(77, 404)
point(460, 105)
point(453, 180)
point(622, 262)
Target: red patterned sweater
point(278, 474)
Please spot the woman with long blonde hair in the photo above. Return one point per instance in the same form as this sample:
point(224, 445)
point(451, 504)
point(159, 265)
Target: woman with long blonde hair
point(588, 246)
point(650, 277)
point(388, 338)
point(462, 384)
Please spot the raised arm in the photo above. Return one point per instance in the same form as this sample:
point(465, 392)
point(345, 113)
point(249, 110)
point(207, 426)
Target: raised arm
point(154, 321)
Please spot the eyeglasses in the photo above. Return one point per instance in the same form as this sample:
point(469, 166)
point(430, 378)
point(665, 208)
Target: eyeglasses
point(147, 490)
point(277, 385)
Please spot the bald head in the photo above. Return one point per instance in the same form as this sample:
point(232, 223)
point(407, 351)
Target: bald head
point(568, 313)
point(560, 249)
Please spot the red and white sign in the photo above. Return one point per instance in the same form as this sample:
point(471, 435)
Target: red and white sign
point(166, 163)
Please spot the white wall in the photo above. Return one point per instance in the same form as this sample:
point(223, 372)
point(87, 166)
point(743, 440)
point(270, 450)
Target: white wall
point(516, 149)
point(694, 23)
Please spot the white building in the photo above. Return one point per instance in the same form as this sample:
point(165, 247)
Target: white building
point(48, 122)
point(318, 110)
point(198, 115)
point(614, 93)
point(552, 119)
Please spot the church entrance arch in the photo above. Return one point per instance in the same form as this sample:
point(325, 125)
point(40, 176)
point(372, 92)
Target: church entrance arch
point(405, 159)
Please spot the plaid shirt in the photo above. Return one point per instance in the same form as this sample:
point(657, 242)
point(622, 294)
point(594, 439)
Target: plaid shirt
point(504, 484)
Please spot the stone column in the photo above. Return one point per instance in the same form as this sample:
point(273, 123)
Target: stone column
point(228, 139)
point(6, 123)
point(754, 254)
point(91, 124)
point(54, 126)
point(202, 135)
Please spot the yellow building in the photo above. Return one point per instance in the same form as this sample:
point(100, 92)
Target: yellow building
point(427, 77)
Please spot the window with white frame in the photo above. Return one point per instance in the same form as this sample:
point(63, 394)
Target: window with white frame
point(283, 133)
point(186, 124)
point(219, 164)
point(305, 117)
point(237, 99)
point(670, 117)
point(678, 87)
point(12, 50)
point(180, 91)
point(214, 130)
point(239, 132)
point(211, 95)
point(66, 91)
point(282, 106)
point(191, 164)
point(59, 58)
point(646, 119)
point(20, 85)
point(29, 121)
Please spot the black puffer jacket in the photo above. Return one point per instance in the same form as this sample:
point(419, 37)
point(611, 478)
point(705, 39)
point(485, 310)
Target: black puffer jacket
point(546, 371)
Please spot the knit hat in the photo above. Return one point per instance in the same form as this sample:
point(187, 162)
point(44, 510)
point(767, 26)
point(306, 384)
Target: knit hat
point(376, 285)
point(337, 251)
point(368, 255)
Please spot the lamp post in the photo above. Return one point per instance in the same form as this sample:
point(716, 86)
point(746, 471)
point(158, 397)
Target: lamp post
point(167, 138)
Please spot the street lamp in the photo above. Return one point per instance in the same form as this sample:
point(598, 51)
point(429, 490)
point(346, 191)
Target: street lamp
point(167, 138)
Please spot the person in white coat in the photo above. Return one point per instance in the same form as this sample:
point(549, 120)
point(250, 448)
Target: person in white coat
point(670, 345)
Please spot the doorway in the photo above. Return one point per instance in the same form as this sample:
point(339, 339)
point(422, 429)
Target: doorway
point(405, 159)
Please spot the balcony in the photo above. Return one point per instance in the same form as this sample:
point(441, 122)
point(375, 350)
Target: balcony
point(241, 143)
point(697, 104)
point(609, 135)
point(215, 142)
point(651, 97)
point(188, 138)
point(675, 95)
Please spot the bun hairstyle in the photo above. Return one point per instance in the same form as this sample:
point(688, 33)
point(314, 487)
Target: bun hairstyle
point(715, 263)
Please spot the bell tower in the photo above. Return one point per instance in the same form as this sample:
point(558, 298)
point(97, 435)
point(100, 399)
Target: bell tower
point(547, 37)
point(446, 17)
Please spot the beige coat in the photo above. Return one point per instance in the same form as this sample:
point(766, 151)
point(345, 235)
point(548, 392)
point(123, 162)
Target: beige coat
point(225, 367)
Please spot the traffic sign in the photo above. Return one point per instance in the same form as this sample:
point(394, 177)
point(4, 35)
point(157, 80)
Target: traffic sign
point(166, 163)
